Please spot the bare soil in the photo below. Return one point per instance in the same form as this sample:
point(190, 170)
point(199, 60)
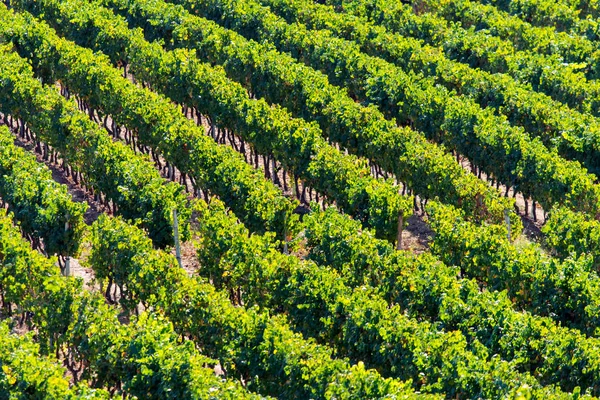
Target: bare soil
point(417, 234)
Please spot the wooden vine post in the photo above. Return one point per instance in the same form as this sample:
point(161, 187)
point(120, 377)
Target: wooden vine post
point(286, 250)
point(176, 238)
point(67, 271)
point(400, 227)
point(507, 220)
